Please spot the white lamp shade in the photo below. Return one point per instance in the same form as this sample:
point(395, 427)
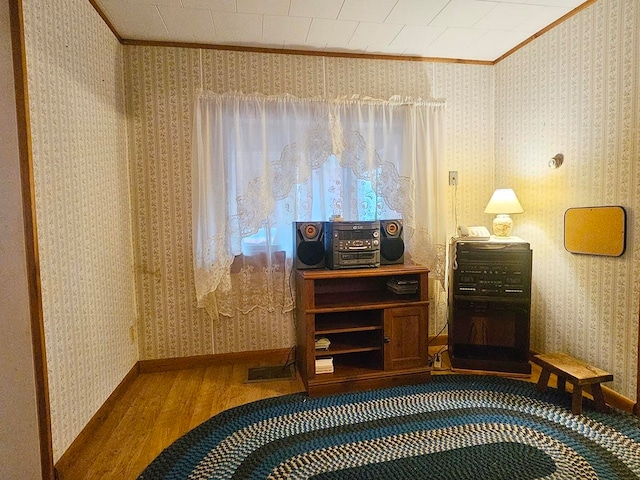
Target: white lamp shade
point(504, 200)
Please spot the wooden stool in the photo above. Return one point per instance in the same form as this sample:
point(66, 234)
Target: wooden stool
point(578, 373)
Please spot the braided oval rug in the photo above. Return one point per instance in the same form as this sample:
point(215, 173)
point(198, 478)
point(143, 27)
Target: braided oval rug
point(453, 427)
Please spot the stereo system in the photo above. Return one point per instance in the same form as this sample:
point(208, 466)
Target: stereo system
point(353, 244)
point(492, 270)
point(339, 244)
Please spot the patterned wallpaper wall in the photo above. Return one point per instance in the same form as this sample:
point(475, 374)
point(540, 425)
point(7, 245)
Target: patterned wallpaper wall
point(78, 125)
point(161, 82)
point(576, 90)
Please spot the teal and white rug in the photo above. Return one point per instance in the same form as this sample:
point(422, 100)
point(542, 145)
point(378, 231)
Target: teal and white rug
point(454, 427)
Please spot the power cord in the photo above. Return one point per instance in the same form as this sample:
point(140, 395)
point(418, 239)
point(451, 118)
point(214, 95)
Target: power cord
point(291, 358)
point(435, 360)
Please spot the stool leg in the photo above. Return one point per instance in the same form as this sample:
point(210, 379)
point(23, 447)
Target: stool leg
point(543, 380)
point(598, 398)
point(562, 384)
point(576, 400)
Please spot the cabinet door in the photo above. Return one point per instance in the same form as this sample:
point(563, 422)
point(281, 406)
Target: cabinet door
point(406, 337)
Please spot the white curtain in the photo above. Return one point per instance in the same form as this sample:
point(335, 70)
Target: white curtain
point(260, 163)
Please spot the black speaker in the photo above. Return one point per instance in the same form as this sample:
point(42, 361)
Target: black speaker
point(308, 244)
point(391, 242)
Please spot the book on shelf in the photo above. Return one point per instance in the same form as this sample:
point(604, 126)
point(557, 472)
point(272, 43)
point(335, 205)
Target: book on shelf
point(324, 365)
point(322, 343)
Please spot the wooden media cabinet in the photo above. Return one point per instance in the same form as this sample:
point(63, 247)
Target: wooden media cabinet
point(378, 338)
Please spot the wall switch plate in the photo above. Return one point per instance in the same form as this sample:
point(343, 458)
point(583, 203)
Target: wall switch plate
point(453, 177)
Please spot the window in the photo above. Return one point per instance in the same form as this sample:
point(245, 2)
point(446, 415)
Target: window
point(261, 163)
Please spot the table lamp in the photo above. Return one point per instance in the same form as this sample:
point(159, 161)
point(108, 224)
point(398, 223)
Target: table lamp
point(503, 202)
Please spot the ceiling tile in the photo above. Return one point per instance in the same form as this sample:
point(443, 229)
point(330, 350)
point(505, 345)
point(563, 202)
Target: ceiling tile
point(286, 31)
point(508, 16)
point(374, 34)
point(452, 41)
point(557, 3)
point(331, 32)
point(188, 24)
point(135, 20)
point(375, 11)
point(416, 12)
point(544, 17)
point(264, 7)
point(237, 28)
point(462, 13)
point(315, 8)
point(415, 39)
point(214, 5)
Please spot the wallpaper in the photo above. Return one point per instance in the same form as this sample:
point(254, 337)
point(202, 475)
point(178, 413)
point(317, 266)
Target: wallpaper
point(78, 127)
point(161, 82)
point(575, 90)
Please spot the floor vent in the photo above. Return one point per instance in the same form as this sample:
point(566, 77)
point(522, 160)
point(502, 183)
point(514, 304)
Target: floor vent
point(275, 372)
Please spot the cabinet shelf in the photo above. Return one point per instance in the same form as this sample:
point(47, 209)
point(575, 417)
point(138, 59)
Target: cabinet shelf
point(341, 349)
point(350, 333)
point(362, 300)
point(349, 291)
point(338, 328)
point(348, 321)
point(342, 372)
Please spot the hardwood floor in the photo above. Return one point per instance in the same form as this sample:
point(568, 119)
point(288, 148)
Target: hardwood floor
point(158, 408)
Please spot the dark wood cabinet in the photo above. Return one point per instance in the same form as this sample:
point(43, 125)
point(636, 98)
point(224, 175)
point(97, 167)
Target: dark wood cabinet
point(489, 306)
point(378, 337)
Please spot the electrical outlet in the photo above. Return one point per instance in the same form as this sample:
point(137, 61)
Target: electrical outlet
point(437, 361)
point(453, 177)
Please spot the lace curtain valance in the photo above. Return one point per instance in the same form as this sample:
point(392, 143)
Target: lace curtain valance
point(260, 163)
